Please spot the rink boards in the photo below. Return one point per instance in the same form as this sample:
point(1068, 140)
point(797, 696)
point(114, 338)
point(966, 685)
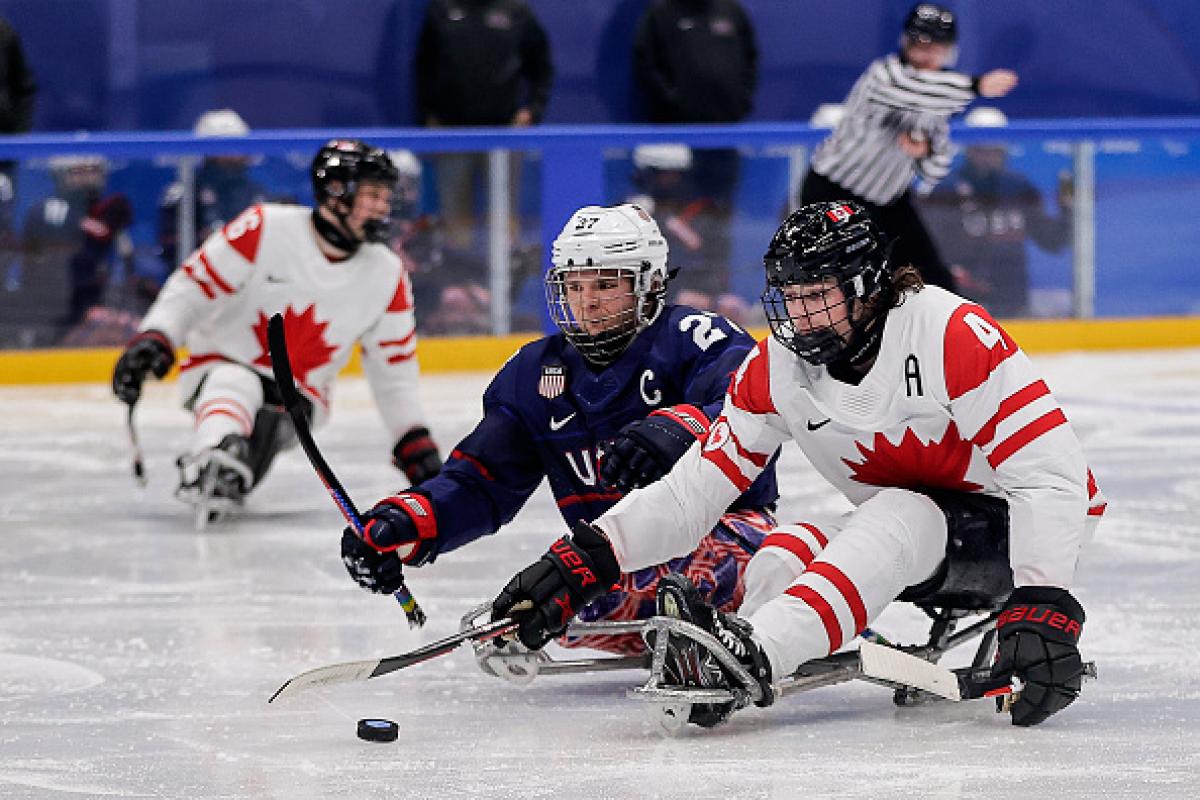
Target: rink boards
point(487, 353)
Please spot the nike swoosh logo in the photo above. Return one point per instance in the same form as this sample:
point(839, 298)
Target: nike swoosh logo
point(556, 424)
point(273, 279)
point(812, 426)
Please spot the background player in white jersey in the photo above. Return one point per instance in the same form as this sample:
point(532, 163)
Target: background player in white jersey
point(894, 128)
point(923, 412)
point(326, 270)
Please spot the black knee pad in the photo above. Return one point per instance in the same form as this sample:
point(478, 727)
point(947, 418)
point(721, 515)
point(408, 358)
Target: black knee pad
point(975, 575)
point(273, 430)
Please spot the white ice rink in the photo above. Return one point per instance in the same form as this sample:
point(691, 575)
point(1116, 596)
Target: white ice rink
point(137, 656)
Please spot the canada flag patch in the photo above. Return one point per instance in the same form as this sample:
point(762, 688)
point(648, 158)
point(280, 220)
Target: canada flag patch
point(840, 213)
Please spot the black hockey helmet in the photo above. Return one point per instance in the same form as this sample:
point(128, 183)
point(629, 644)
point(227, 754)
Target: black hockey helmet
point(341, 166)
point(928, 22)
point(833, 243)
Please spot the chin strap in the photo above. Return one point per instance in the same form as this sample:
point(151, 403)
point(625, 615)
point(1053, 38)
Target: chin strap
point(863, 348)
point(334, 234)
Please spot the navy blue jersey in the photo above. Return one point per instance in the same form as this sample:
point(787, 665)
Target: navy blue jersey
point(547, 410)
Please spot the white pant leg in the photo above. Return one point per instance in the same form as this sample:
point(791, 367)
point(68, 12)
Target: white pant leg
point(227, 403)
point(783, 556)
point(894, 540)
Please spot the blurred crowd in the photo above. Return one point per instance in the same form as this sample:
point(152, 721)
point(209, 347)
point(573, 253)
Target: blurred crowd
point(83, 252)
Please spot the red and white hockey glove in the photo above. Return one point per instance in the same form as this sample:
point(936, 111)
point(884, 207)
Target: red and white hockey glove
point(400, 530)
point(646, 449)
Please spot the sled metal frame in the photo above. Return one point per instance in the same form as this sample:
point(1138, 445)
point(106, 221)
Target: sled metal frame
point(671, 704)
point(522, 666)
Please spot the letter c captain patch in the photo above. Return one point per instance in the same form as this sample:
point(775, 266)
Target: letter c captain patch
point(553, 381)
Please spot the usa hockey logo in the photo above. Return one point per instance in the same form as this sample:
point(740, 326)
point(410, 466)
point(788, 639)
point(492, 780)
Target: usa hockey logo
point(553, 381)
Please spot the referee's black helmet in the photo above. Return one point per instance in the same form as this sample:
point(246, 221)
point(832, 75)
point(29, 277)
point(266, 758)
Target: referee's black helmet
point(928, 22)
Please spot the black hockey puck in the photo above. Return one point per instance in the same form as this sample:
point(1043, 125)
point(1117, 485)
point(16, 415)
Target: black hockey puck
point(378, 730)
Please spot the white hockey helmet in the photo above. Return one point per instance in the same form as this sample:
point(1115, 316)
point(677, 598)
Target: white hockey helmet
point(219, 123)
point(827, 115)
point(986, 117)
point(406, 162)
point(665, 156)
point(618, 240)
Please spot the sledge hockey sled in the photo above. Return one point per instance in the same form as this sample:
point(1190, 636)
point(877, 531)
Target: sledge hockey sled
point(963, 601)
point(672, 704)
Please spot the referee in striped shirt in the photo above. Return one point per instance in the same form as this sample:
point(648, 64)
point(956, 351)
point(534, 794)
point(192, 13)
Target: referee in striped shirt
point(896, 129)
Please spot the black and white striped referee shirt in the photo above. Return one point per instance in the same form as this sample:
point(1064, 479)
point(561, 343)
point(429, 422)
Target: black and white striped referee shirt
point(863, 155)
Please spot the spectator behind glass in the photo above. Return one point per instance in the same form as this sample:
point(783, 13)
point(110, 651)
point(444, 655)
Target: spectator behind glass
point(697, 61)
point(17, 87)
point(478, 62)
point(69, 242)
point(449, 286)
point(982, 216)
point(17, 90)
point(223, 187)
point(696, 232)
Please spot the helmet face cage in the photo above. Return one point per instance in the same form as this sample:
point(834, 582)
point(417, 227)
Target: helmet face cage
point(340, 168)
point(629, 307)
point(821, 342)
point(821, 247)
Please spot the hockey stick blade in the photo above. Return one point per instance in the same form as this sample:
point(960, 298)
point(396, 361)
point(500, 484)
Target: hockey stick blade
point(281, 366)
point(352, 671)
point(895, 666)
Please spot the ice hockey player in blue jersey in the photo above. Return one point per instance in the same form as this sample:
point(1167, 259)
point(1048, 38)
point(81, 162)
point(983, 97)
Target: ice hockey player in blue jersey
point(606, 405)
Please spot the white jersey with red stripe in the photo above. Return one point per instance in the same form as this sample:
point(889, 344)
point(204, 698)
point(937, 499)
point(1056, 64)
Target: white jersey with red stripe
point(267, 260)
point(951, 403)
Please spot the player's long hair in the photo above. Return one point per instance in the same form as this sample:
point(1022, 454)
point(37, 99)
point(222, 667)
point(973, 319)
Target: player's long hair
point(905, 281)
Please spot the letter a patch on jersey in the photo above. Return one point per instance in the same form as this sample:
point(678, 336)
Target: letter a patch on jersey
point(553, 381)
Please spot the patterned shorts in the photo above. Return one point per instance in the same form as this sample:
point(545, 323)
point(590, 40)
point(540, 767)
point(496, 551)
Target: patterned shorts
point(715, 567)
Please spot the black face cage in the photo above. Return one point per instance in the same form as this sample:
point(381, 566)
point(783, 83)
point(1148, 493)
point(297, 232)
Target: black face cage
point(859, 279)
point(618, 329)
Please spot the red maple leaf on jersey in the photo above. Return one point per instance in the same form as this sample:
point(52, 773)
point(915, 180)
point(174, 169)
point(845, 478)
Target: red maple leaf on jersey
point(306, 344)
point(912, 464)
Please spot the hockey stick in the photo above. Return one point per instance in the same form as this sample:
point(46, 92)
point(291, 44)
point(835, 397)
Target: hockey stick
point(895, 666)
point(292, 402)
point(139, 466)
point(365, 670)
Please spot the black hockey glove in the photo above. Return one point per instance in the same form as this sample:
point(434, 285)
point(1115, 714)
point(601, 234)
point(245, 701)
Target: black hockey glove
point(1038, 631)
point(416, 456)
point(544, 596)
point(399, 530)
point(646, 449)
point(149, 351)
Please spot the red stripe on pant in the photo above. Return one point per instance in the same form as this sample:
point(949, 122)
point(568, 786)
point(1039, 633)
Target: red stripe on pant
point(833, 628)
point(848, 590)
point(785, 541)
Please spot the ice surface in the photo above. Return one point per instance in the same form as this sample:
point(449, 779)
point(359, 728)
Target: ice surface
point(137, 656)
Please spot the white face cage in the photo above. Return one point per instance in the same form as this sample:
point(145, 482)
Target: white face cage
point(602, 309)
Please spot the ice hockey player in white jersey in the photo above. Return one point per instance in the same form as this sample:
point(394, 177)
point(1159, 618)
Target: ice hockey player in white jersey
point(327, 271)
point(924, 413)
